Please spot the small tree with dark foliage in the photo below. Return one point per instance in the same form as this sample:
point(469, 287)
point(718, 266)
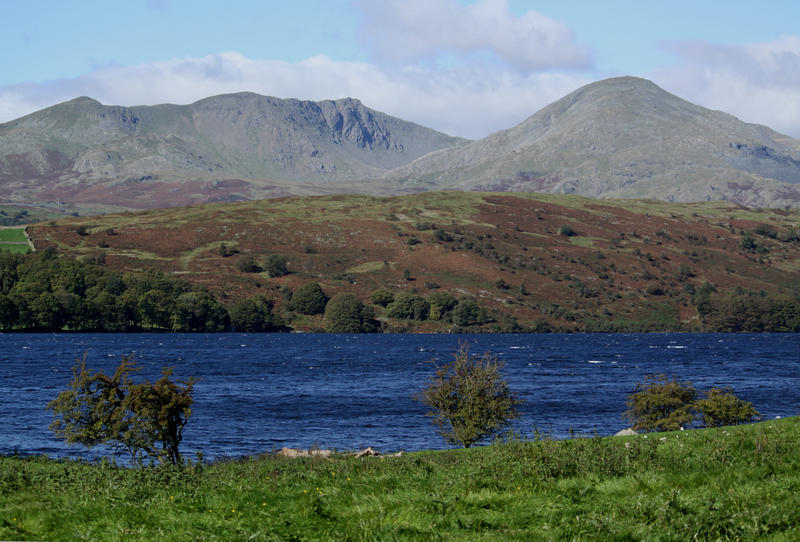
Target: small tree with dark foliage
point(469, 399)
point(345, 313)
point(721, 407)
point(660, 404)
point(143, 419)
point(309, 299)
point(275, 265)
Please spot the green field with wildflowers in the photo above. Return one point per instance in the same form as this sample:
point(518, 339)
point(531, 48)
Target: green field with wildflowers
point(733, 483)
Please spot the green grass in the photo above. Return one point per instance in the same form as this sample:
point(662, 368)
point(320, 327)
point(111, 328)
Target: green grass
point(735, 483)
point(581, 241)
point(12, 235)
point(15, 248)
point(13, 240)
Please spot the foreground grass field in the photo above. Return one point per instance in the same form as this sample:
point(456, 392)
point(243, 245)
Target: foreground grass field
point(735, 483)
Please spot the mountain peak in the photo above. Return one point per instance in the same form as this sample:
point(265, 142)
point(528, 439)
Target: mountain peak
point(82, 100)
point(624, 137)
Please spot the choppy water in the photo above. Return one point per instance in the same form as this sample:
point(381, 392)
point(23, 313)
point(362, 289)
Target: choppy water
point(259, 392)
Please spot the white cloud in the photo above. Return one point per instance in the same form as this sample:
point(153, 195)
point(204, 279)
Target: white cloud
point(757, 82)
point(470, 101)
point(413, 30)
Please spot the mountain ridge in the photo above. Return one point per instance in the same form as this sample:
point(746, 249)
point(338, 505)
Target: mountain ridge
point(259, 144)
point(623, 137)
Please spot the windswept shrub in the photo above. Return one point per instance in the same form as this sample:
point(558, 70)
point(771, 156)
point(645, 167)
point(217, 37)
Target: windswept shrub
point(721, 407)
point(143, 419)
point(660, 404)
point(468, 398)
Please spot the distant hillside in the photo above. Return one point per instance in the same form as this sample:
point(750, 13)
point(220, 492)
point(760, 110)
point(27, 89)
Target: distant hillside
point(517, 261)
point(224, 148)
point(623, 137)
point(618, 138)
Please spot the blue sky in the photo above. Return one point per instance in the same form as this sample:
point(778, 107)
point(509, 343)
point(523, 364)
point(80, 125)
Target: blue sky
point(466, 67)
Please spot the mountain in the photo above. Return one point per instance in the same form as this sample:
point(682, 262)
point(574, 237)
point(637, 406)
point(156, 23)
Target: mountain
point(618, 138)
point(229, 147)
point(622, 137)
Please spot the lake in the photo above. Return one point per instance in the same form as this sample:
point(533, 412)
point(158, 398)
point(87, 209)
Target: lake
point(260, 392)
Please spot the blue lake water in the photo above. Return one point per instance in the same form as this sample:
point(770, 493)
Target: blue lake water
point(260, 392)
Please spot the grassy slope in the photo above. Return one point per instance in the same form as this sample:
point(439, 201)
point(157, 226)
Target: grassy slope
point(358, 243)
point(735, 483)
point(13, 240)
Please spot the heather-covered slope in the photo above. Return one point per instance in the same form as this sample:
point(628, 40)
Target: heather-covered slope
point(526, 261)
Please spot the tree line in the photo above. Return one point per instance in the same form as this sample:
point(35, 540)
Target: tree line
point(743, 310)
point(45, 291)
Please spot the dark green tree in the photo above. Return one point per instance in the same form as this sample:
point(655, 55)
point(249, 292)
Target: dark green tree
point(199, 311)
point(441, 303)
point(254, 314)
point(468, 313)
point(345, 313)
point(156, 308)
point(275, 265)
point(309, 299)
point(8, 312)
point(381, 297)
point(468, 398)
point(247, 264)
point(407, 306)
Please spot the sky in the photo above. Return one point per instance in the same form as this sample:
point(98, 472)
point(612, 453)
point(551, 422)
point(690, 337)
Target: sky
point(464, 67)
